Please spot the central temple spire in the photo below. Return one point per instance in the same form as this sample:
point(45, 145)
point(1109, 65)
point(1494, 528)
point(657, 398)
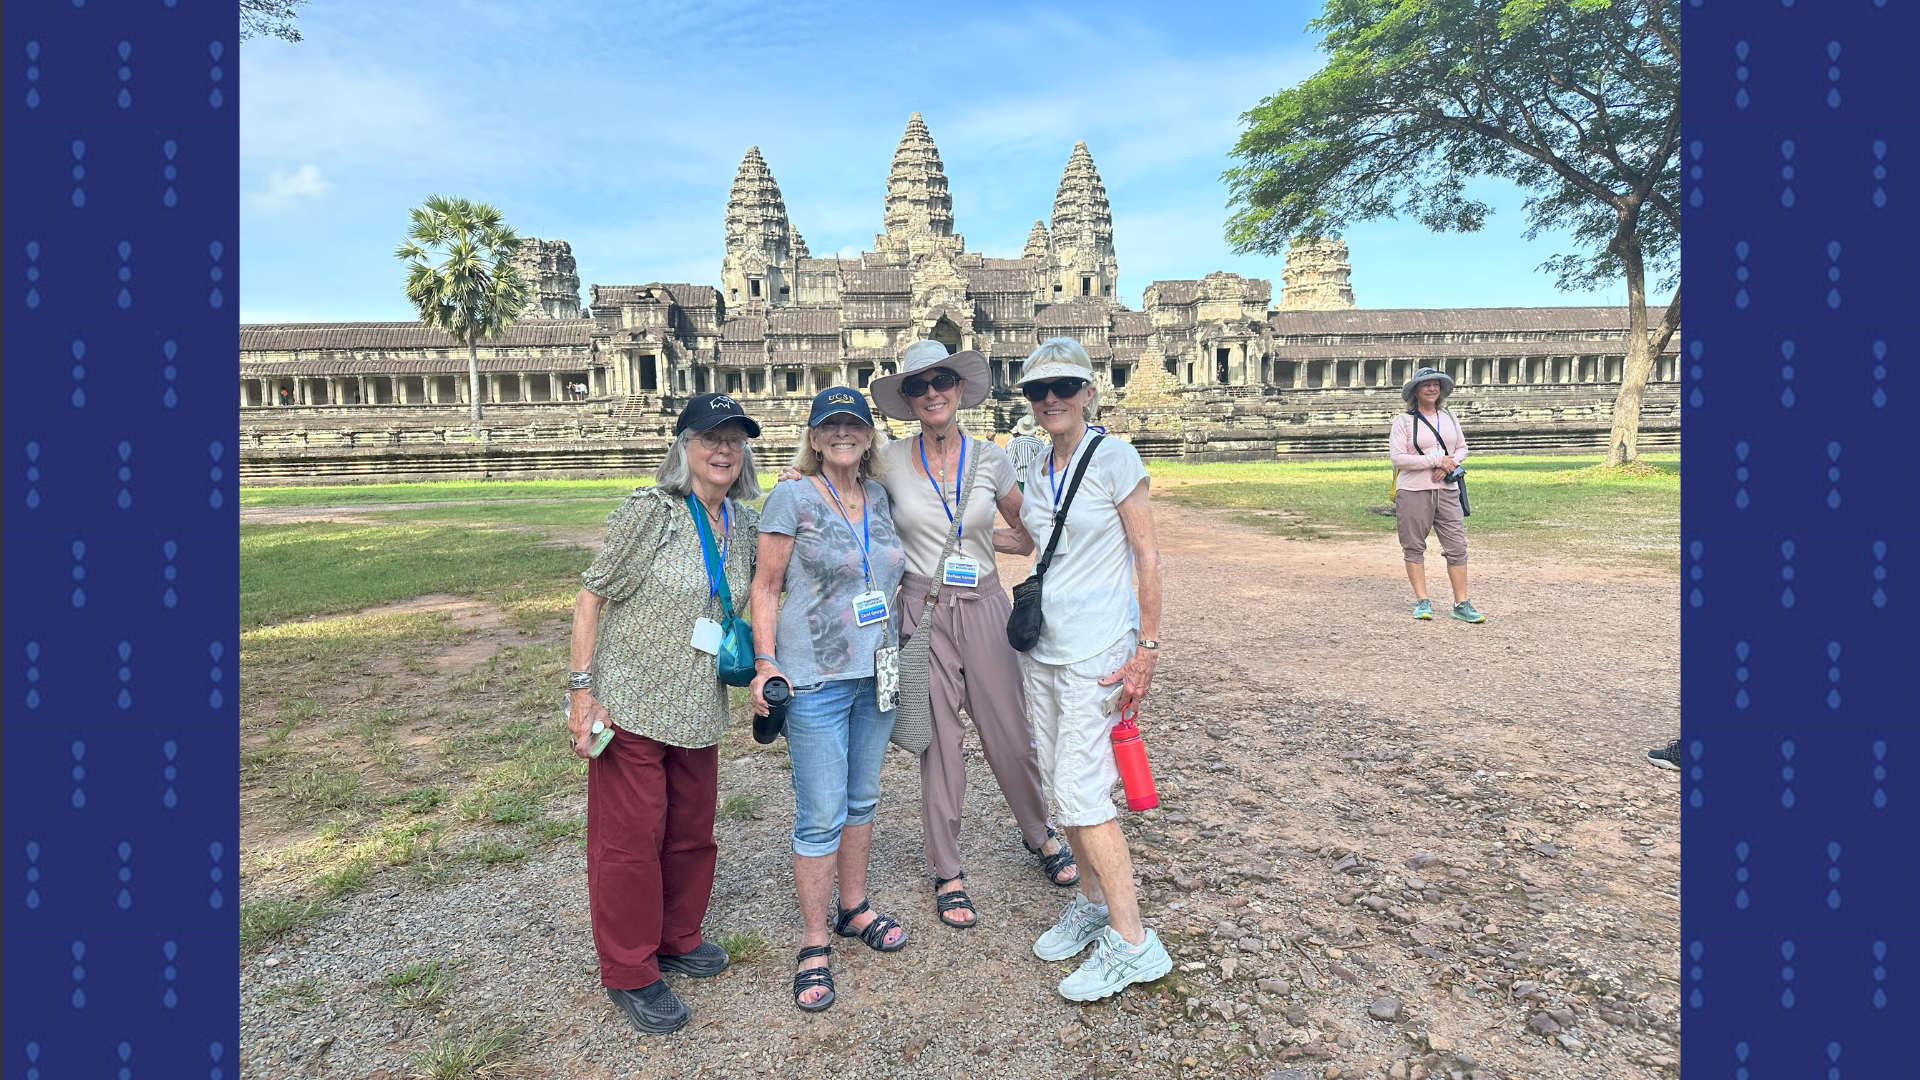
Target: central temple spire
point(761, 242)
point(1082, 262)
point(917, 200)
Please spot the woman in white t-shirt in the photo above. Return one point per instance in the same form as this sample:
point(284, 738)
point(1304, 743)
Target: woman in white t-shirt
point(973, 668)
point(1095, 657)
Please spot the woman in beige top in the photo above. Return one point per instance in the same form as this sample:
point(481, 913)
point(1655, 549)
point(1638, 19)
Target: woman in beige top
point(638, 667)
point(973, 667)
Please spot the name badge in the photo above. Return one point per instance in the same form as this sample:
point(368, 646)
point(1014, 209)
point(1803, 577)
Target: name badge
point(706, 636)
point(868, 608)
point(961, 571)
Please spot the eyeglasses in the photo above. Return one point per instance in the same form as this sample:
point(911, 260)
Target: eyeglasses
point(1060, 388)
point(943, 380)
point(713, 441)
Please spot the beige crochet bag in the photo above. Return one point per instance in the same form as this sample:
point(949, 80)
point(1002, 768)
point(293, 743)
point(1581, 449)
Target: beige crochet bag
point(913, 713)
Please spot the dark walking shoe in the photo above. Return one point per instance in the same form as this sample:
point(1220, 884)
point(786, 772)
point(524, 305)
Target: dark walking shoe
point(704, 962)
point(652, 1009)
point(1667, 757)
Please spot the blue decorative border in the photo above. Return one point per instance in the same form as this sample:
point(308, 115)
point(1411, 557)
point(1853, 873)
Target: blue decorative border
point(121, 559)
point(1799, 708)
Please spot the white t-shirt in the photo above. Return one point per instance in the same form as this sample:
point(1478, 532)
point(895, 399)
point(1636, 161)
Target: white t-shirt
point(1088, 601)
point(918, 516)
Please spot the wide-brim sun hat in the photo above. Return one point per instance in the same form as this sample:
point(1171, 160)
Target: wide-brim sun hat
point(1054, 366)
point(711, 410)
point(922, 356)
point(835, 400)
point(1427, 374)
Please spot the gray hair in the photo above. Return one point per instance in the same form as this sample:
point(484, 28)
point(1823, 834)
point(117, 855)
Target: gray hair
point(1066, 350)
point(675, 475)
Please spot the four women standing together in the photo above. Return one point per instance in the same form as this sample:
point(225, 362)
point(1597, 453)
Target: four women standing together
point(870, 545)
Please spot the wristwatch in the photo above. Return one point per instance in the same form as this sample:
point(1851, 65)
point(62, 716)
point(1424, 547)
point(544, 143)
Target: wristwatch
point(1148, 643)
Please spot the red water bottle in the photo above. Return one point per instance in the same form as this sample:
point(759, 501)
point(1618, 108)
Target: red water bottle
point(1130, 754)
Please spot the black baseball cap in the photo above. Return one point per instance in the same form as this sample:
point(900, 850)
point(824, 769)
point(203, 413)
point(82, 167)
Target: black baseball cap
point(710, 410)
point(840, 399)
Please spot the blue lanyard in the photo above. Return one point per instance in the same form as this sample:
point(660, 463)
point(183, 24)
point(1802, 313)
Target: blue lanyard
point(715, 568)
point(865, 535)
point(1060, 486)
point(957, 480)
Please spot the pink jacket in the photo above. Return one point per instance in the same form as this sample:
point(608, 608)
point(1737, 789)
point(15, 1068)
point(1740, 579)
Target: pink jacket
point(1415, 470)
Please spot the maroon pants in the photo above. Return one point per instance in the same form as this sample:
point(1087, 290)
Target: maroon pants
point(650, 853)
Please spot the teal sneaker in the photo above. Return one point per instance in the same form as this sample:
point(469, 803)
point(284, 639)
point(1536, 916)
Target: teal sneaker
point(1423, 608)
point(1116, 965)
point(1081, 922)
point(1464, 611)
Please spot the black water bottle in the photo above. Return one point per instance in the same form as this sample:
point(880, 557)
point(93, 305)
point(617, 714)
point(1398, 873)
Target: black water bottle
point(778, 692)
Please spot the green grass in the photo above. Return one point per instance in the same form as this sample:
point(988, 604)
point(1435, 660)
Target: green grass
point(570, 514)
point(303, 993)
point(441, 491)
point(739, 805)
point(1563, 504)
point(420, 986)
point(263, 921)
point(318, 568)
point(744, 946)
point(474, 1049)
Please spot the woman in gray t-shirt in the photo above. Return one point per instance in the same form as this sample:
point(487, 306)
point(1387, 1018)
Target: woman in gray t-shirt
point(827, 541)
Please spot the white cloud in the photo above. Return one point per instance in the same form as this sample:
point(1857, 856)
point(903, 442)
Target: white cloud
point(286, 189)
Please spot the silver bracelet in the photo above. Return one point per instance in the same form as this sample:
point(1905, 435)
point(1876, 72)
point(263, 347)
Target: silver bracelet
point(1148, 643)
point(579, 680)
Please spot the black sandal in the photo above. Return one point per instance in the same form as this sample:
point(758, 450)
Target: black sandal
point(1057, 861)
point(807, 978)
point(953, 900)
point(875, 934)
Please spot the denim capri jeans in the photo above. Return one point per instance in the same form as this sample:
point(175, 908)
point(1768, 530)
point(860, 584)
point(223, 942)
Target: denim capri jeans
point(836, 738)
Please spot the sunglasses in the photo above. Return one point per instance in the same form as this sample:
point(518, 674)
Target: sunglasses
point(943, 380)
point(1060, 388)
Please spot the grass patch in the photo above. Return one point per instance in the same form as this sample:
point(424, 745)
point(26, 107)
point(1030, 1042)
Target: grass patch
point(475, 1049)
point(550, 829)
point(441, 491)
point(1535, 504)
point(739, 805)
point(420, 800)
point(571, 513)
point(420, 986)
point(317, 568)
point(744, 946)
point(324, 787)
point(493, 851)
point(263, 921)
point(349, 876)
point(303, 993)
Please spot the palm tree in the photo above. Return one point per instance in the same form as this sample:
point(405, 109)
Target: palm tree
point(473, 293)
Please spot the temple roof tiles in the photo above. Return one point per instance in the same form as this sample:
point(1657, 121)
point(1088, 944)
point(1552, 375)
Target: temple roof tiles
point(286, 337)
point(1446, 320)
point(1073, 313)
point(810, 321)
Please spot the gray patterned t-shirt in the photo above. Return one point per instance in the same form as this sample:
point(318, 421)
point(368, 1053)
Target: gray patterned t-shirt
point(816, 640)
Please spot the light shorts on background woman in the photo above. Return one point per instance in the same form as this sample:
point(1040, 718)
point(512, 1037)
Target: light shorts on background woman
point(1072, 731)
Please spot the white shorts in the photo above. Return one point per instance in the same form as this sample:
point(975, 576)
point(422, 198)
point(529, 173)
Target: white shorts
point(1072, 733)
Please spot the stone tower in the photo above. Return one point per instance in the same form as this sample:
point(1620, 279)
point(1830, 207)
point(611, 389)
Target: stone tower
point(1037, 242)
point(1081, 261)
point(919, 212)
point(1315, 276)
point(547, 265)
point(759, 268)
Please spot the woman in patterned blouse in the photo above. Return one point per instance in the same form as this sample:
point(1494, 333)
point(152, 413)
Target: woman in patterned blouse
point(651, 793)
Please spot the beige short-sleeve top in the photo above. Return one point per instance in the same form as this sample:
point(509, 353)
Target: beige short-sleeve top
point(918, 516)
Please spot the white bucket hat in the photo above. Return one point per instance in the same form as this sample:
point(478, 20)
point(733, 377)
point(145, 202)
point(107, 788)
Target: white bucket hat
point(918, 357)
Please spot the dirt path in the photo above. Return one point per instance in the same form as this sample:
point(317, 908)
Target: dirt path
point(1357, 806)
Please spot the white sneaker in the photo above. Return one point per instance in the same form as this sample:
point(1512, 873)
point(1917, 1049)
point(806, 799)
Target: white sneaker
point(1116, 965)
point(1080, 923)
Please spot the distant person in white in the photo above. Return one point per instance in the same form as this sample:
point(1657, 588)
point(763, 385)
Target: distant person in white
point(1097, 633)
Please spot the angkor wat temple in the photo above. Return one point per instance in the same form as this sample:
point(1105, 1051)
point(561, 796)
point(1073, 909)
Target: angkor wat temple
point(1207, 368)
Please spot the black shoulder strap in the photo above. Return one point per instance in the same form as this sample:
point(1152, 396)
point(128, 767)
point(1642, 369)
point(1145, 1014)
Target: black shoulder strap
point(1417, 421)
point(1060, 516)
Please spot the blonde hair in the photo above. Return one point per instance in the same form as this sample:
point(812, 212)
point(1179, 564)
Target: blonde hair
point(809, 462)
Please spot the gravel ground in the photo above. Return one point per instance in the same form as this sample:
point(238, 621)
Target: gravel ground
point(1385, 849)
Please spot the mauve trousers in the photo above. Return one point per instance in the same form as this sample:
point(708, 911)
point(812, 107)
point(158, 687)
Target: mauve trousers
point(973, 668)
point(650, 853)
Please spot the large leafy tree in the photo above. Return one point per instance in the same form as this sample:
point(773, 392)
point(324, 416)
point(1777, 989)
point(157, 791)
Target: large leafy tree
point(1576, 101)
point(471, 292)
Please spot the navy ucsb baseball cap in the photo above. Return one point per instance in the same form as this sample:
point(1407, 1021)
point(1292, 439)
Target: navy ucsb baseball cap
point(712, 410)
point(840, 399)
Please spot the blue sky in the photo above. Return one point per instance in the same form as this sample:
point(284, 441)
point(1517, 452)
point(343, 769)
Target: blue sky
point(618, 127)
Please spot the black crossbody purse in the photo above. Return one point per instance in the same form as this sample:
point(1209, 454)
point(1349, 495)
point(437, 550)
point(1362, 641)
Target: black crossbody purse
point(1023, 626)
